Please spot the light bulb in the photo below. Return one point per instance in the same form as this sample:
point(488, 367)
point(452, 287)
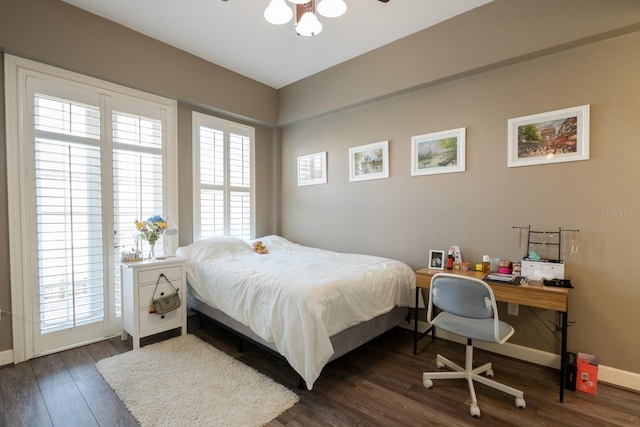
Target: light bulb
point(309, 25)
point(278, 12)
point(299, 1)
point(332, 8)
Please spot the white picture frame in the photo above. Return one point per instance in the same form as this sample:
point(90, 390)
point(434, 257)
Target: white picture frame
point(438, 152)
point(369, 161)
point(312, 169)
point(437, 259)
point(551, 137)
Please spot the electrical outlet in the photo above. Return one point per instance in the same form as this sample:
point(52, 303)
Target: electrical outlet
point(512, 308)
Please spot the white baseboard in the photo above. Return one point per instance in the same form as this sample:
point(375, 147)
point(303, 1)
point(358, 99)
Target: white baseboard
point(6, 357)
point(618, 377)
point(606, 374)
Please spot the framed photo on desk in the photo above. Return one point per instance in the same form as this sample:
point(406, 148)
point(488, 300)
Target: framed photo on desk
point(436, 260)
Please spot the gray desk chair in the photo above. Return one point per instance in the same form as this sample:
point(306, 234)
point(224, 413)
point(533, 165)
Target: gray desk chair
point(468, 308)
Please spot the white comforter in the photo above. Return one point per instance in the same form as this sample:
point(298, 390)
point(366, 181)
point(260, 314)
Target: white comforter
point(296, 296)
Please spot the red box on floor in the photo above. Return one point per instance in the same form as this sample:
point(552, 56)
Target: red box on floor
point(587, 377)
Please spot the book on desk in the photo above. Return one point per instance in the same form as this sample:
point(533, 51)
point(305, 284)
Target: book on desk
point(509, 279)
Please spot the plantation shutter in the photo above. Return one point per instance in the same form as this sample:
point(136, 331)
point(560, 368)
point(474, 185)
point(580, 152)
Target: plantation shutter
point(240, 181)
point(68, 213)
point(224, 200)
point(137, 181)
point(212, 172)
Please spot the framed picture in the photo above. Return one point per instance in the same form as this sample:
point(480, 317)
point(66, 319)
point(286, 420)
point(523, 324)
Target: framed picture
point(438, 152)
point(369, 161)
point(436, 260)
point(553, 137)
point(312, 169)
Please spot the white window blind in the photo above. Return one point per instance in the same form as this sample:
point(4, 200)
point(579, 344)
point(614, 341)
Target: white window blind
point(137, 176)
point(240, 214)
point(212, 172)
point(240, 184)
point(239, 161)
point(68, 213)
point(223, 178)
point(137, 183)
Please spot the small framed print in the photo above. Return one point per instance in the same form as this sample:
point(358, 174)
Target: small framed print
point(369, 161)
point(438, 152)
point(312, 169)
point(552, 137)
point(436, 259)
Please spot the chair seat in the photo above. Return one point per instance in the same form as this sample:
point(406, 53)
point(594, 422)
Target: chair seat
point(476, 329)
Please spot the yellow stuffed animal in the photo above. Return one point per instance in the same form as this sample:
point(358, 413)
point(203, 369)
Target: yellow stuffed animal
point(260, 248)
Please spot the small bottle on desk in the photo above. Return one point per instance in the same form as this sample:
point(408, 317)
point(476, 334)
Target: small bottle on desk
point(486, 264)
point(449, 261)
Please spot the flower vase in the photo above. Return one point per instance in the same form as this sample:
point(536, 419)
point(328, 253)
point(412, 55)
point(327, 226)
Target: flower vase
point(152, 251)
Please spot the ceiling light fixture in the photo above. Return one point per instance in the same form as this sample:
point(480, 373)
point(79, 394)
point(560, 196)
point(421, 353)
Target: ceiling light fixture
point(307, 23)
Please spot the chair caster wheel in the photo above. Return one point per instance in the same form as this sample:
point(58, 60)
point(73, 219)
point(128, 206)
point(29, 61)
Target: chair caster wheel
point(489, 373)
point(427, 383)
point(520, 403)
point(475, 411)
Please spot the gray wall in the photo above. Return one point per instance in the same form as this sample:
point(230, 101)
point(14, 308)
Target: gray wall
point(53, 32)
point(403, 217)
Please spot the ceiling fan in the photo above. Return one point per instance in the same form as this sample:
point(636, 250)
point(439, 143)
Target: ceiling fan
point(306, 20)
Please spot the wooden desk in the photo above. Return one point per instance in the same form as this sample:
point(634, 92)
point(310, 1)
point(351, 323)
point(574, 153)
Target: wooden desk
point(532, 295)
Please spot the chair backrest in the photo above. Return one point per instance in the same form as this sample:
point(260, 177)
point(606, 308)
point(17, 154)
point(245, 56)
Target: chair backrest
point(462, 296)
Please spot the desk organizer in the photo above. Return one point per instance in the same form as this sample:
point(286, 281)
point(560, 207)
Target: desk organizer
point(544, 269)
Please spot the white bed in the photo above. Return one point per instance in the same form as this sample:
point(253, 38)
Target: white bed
point(297, 300)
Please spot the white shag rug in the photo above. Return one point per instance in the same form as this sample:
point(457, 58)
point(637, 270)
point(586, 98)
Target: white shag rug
point(185, 381)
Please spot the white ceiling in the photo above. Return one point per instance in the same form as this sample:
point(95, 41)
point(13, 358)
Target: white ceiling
point(235, 35)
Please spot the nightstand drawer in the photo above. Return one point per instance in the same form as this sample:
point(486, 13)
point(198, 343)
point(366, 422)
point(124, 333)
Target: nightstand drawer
point(152, 321)
point(145, 293)
point(151, 275)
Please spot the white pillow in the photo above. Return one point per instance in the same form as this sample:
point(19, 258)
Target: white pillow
point(214, 246)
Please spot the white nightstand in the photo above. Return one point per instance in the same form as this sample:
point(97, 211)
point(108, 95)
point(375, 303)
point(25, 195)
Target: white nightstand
point(138, 283)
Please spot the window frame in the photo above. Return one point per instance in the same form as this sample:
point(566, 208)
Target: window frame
point(227, 127)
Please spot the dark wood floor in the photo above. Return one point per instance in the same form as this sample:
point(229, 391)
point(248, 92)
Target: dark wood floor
point(379, 384)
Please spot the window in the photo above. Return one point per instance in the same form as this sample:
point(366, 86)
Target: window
point(68, 213)
point(85, 159)
point(138, 180)
point(223, 178)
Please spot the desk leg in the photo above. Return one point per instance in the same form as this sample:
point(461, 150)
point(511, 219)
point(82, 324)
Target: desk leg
point(563, 355)
point(415, 323)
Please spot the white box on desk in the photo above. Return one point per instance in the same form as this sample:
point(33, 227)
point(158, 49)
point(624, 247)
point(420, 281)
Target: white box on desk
point(546, 269)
